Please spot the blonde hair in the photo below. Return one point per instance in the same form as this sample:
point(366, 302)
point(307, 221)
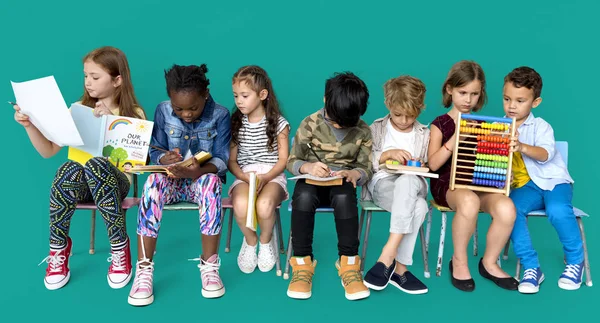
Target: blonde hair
point(405, 93)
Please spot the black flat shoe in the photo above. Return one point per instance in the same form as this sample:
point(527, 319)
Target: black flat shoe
point(466, 285)
point(508, 283)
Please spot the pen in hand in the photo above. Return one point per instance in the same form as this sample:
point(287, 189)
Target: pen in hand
point(319, 159)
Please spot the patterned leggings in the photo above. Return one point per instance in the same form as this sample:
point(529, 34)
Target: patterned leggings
point(98, 181)
point(161, 189)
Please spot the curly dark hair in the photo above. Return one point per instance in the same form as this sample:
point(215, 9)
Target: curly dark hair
point(190, 78)
point(526, 77)
point(258, 80)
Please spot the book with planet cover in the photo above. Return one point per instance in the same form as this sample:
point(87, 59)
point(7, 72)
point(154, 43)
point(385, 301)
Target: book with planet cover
point(123, 140)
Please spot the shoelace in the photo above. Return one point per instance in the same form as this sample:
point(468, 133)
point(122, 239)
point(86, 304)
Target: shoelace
point(530, 274)
point(143, 275)
point(302, 275)
point(118, 260)
point(572, 271)
point(55, 261)
point(209, 271)
point(351, 276)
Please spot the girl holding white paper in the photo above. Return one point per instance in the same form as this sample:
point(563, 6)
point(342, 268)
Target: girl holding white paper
point(259, 145)
point(108, 90)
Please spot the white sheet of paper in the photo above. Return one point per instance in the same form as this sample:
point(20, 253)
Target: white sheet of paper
point(41, 100)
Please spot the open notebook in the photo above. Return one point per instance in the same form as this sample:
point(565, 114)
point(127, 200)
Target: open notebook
point(320, 181)
point(201, 157)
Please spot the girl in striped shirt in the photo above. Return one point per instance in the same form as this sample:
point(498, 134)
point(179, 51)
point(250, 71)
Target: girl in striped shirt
point(259, 144)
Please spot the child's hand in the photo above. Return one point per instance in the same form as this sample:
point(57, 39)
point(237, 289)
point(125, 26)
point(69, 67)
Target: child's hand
point(400, 155)
point(101, 109)
point(262, 181)
point(21, 118)
point(515, 144)
point(317, 169)
point(192, 171)
point(171, 157)
point(350, 175)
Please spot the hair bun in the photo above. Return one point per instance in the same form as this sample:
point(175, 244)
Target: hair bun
point(203, 68)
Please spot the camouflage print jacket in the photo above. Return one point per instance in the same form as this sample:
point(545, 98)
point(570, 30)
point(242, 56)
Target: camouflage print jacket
point(353, 152)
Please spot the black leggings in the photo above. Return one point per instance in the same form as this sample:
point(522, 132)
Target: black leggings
point(98, 181)
point(305, 201)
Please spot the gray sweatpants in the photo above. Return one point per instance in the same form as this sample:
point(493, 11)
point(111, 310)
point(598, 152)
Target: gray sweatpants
point(404, 196)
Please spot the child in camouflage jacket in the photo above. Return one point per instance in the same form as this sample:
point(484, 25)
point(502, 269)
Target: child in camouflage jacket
point(332, 141)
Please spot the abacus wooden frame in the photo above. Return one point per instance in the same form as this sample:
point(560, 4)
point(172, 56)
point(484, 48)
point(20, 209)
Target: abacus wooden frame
point(453, 184)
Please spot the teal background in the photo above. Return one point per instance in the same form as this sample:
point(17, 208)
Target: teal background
point(300, 44)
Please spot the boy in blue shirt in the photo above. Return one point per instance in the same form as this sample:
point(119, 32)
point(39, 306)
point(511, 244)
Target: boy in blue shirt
point(540, 181)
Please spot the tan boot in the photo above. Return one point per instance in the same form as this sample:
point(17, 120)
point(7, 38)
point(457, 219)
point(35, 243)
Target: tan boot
point(349, 271)
point(303, 270)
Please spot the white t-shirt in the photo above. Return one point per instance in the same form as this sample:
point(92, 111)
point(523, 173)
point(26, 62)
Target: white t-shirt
point(394, 139)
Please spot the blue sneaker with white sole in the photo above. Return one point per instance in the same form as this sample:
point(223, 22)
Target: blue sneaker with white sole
point(571, 277)
point(532, 279)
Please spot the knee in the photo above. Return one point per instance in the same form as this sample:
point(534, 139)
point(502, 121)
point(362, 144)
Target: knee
point(406, 181)
point(468, 205)
point(421, 208)
point(265, 208)
point(344, 198)
point(504, 211)
point(210, 181)
point(304, 200)
point(558, 212)
point(97, 163)
point(71, 170)
point(240, 206)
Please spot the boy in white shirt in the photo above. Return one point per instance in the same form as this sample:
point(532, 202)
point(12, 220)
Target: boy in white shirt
point(400, 137)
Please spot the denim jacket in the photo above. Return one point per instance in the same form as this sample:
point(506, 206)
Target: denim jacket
point(210, 133)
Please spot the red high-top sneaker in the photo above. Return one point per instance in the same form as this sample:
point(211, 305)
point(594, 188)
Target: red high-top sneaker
point(57, 272)
point(119, 271)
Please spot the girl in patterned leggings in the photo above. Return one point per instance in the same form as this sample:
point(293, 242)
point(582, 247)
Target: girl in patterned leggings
point(108, 90)
point(190, 122)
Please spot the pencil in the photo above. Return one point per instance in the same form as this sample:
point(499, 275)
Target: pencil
point(319, 159)
point(161, 149)
point(313, 151)
point(12, 103)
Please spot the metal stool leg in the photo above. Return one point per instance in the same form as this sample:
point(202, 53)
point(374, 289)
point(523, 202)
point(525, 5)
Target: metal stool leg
point(427, 274)
point(286, 273)
point(438, 270)
point(92, 234)
point(277, 239)
point(588, 271)
point(364, 250)
point(228, 243)
point(280, 232)
point(505, 256)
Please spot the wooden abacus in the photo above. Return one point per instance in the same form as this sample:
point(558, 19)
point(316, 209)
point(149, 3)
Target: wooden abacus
point(482, 160)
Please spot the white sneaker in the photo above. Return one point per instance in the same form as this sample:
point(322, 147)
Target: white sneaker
point(142, 293)
point(267, 256)
point(247, 258)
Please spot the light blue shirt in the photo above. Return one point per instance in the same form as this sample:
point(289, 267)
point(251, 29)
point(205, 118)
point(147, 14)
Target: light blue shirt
point(551, 172)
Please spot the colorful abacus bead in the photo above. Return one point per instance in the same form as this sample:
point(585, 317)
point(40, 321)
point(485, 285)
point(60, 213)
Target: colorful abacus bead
point(486, 182)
